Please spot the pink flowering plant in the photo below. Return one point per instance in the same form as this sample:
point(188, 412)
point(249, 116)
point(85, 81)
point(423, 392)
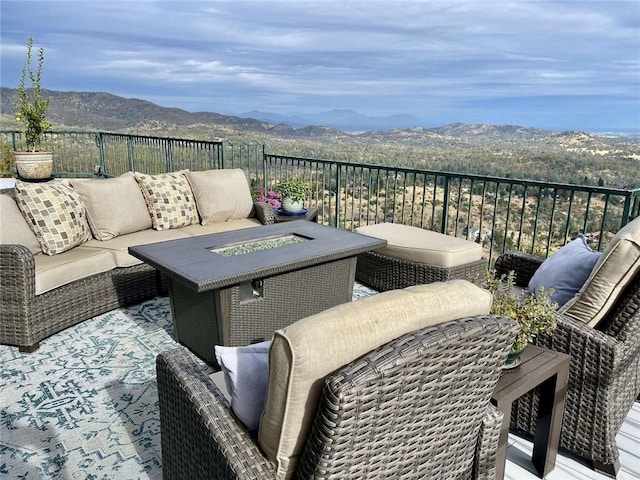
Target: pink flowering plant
point(270, 197)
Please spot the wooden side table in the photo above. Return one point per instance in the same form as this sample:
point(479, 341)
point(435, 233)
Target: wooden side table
point(550, 370)
point(310, 216)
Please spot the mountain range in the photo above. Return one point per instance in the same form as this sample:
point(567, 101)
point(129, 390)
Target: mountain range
point(108, 112)
point(346, 120)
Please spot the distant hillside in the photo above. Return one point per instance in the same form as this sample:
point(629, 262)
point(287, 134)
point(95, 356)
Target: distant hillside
point(104, 111)
point(504, 150)
point(346, 120)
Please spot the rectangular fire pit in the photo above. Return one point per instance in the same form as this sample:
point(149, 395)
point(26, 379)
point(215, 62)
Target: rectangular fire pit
point(235, 288)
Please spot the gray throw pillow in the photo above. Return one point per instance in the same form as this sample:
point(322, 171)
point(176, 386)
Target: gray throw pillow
point(245, 372)
point(565, 271)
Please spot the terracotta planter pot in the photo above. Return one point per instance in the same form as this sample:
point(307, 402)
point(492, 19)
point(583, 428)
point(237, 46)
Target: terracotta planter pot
point(34, 165)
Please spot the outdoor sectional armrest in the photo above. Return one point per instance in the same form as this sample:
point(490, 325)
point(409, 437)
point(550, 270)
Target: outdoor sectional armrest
point(201, 438)
point(264, 213)
point(523, 264)
point(489, 438)
point(575, 338)
point(17, 274)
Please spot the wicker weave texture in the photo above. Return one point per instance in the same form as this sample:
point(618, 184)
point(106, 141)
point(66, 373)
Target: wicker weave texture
point(264, 213)
point(604, 375)
point(383, 273)
point(26, 318)
point(417, 407)
point(524, 265)
point(287, 297)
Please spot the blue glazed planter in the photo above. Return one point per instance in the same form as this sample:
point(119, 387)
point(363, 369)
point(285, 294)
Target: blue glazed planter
point(513, 359)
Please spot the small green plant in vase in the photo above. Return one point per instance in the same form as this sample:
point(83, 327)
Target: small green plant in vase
point(535, 314)
point(294, 193)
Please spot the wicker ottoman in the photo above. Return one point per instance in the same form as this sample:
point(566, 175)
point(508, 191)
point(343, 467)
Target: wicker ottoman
point(414, 256)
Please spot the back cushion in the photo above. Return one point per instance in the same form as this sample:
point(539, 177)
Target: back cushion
point(115, 206)
point(169, 199)
point(304, 353)
point(14, 228)
point(55, 213)
point(221, 195)
point(615, 269)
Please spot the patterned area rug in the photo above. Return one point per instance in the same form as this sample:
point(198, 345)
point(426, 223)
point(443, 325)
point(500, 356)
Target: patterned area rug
point(85, 405)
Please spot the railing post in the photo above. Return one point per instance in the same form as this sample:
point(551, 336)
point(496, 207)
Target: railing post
point(631, 208)
point(635, 207)
point(102, 167)
point(132, 166)
point(264, 169)
point(169, 154)
point(223, 154)
point(445, 205)
point(338, 180)
point(14, 142)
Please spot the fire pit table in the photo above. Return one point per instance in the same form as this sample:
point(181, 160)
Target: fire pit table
point(235, 288)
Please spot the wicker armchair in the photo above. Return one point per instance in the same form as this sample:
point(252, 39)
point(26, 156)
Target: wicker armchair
point(416, 407)
point(604, 375)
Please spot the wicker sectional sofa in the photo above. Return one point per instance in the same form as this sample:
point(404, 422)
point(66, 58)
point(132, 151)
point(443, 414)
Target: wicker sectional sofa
point(64, 244)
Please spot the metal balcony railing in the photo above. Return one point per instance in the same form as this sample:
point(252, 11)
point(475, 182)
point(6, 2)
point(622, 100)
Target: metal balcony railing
point(500, 213)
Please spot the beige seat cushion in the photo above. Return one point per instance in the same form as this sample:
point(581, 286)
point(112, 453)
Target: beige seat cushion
point(14, 229)
point(115, 206)
point(80, 262)
point(118, 246)
point(195, 230)
point(304, 353)
point(221, 195)
point(423, 246)
point(615, 269)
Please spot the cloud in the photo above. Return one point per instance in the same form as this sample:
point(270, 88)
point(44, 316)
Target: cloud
point(375, 56)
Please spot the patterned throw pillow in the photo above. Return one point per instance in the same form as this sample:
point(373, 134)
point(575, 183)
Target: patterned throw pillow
point(169, 199)
point(55, 213)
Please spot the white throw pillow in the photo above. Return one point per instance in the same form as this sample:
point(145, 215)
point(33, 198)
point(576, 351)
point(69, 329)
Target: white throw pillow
point(245, 372)
point(565, 271)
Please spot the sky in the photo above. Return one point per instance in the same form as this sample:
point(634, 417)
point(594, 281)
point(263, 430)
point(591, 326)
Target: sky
point(561, 65)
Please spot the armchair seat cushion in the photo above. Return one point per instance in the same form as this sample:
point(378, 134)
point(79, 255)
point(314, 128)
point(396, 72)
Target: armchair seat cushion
point(304, 353)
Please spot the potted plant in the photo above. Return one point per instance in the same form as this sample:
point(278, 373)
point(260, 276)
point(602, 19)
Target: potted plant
point(293, 192)
point(535, 314)
point(31, 109)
